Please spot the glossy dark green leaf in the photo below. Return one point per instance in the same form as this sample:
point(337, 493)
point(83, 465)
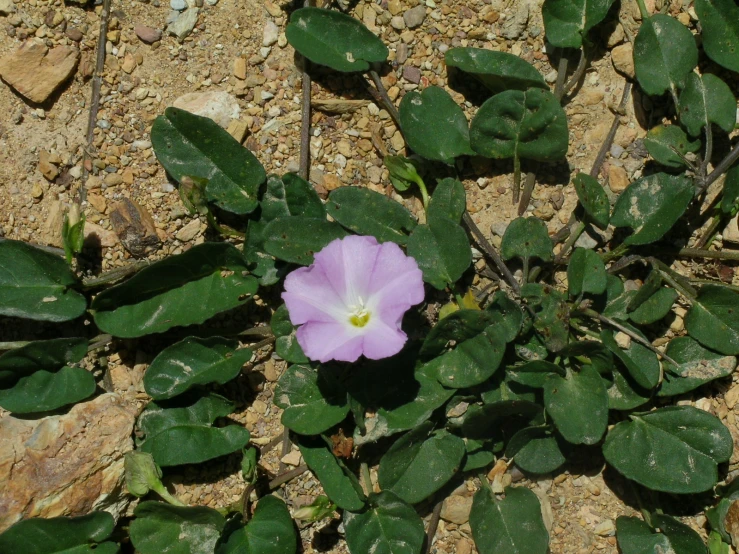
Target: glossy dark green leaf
point(640, 361)
point(552, 314)
point(527, 124)
point(189, 145)
point(534, 373)
point(730, 198)
point(707, 99)
point(586, 272)
point(578, 405)
point(720, 25)
point(655, 307)
point(367, 212)
point(536, 450)
point(442, 251)
point(388, 526)
point(449, 200)
point(664, 54)
point(184, 435)
point(290, 195)
point(434, 125)
point(420, 463)
point(593, 199)
point(160, 527)
point(37, 285)
point(334, 39)
point(479, 454)
point(566, 22)
point(624, 393)
point(497, 524)
point(60, 535)
point(698, 366)
point(47, 355)
point(486, 421)
point(44, 390)
point(457, 326)
point(312, 399)
point(498, 71)
point(651, 206)
point(669, 535)
point(713, 320)
point(160, 296)
point(270, 531)
point(338, 482)
point(194, 361)
point(588, 352)
point(526, 238)
point(664, 142)
point(296, 239)
point(674, 449)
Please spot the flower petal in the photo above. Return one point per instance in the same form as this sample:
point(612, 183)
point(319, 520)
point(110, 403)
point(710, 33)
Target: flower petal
point(309, 298)
point(383, 340)
point(396, 282)
point(329, 341)
point(347, 264)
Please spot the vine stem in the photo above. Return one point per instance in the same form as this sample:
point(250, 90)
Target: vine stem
point(283, 478)
point(721, 168)
point(433, 524)
point(643, 9)
point(114, 275)
point(582, 64)
point(528, 189)
point(570, 242)
point(516, 178)
point(561, 76)
point(366, 478)
point(707, 237)
point(305, 117)
point(384, 99)
point(491, 252)
point(702, 253)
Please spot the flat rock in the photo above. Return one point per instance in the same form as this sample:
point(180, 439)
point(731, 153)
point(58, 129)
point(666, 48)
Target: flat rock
point(6, 7)
point(220, 106)
point(456, 509)
point(134, 226)
point(97, 236)
point(414, 17)
point(36, 72)
point(188, 232)
point(622, 57)
point(184, 23)
point(147, 34)
point(65, 465)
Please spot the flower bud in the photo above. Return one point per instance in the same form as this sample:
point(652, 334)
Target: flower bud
point(142, 473)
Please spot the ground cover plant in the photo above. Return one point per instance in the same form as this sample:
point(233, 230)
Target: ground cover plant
point(528, 372)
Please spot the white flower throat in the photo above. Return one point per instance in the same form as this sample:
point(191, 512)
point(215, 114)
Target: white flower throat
point(359, 315)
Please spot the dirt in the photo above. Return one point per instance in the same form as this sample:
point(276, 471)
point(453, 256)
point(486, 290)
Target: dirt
point(226, 53)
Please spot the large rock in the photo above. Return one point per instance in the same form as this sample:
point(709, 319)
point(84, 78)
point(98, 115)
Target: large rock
point(35, 71)
point(65, 465)
point(220, 106)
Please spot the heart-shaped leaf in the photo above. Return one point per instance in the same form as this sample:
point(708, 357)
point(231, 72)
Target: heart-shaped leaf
point(528, 124)
point(367, 212)
point(290, 195)
point(714, 319)
point(669, 535)
point(498, 71)
point(664, 54)
point(189, 145)
point(36, 285)
point(552, 321)
point(655, 307)
point(497, 523)
point(61, 535)
point(706, 99)
point(586, 273)
point(38, 355)
point(639, 360)
point(667, 143)
point(624, 393)
point(295, 239)
point(193, 361)
point(720, 24)
point(160, 527)
point(334, 39)
point(184, 435)
point(679, 448)
point(388, 525)
point(651, 206)
point(434, 126)
point(44, 390)
point(442, 251)
point(566, 22)
point(526, 238)
point(449, 200)
point(286, 345)
point(698, 366)
point(270, 531)
point(536, 450)
point(534, 374)
point(593, 199)
point(420, 463)
point(312, 399)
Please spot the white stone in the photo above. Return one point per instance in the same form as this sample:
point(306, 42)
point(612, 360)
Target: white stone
point(220, 106)
point(271, 33)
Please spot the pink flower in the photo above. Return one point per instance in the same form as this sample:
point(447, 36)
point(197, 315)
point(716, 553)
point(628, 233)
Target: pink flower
point(352, 299)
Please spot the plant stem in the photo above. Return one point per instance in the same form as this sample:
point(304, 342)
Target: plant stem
point(305, 117)
point(525, 273)
point(643, 9)
point(433, 524)
point(99, 342)
point(620, 250)
point(366, 478)
point(225, 231)
point(703, 171)
point(561, 76)
point(516, 178)
point(162, 491)
point(582, 64)
point(702, 253)
point(721, 168)
point(263, 331)
point(707, 237)
point(385, 99)
point(570, 242)
point(528, 189)
point(114, 275)
point(287, 476)
point(424, 192)
point(491, 252)
point(286, 444)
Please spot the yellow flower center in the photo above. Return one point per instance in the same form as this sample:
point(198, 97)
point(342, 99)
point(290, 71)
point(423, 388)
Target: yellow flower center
point(359, 316)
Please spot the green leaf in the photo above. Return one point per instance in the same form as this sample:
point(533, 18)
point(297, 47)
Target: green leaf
point(664, 54)
point(38, 355)
point(706, 99)
point(674, 449)
point(486, 421)
point(624, 393)
point(403, 172)
point(498, 71)
point(720, 25)
point(420, 463)
point(730, 197)
point(651, 285)
point(334, 39)
point(288, 348)
point(189, 145)
point(388, 526)
point(43, 390)
point(497, 524)
point(669, 535)
point(552, 314)
point(194, 361)
point(160, 296)
point(566, 22)
point(338, 482)
point(593, 199)
point(713, 320)
point(184, 435)
point(586, 273)
point(534, 374)
point(639, 360)
point(62, 535)
point(664, 142)
point(449, 200)
point(655, 307)
point(479, 455)
point(434, 126)
point(698, 366)
point(295, 239)
point(527, 124)
point(651, 206)
point(313, 400)
point(290, 195)
point(526, 238)
point(160, 527)
point(442, 251)
point(36, 285)
point(269, 531)
point(367, 212)
point(73, 233)
point(535, 450)
point(578, 405)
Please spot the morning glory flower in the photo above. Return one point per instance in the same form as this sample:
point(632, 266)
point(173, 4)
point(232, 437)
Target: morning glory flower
point(351, 300)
